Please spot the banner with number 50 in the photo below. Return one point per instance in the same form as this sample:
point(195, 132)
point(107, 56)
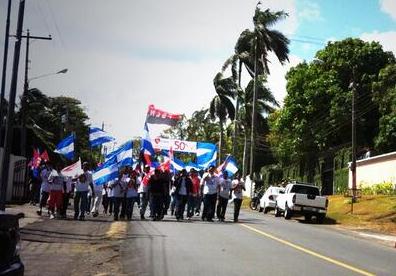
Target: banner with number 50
point(176, 145)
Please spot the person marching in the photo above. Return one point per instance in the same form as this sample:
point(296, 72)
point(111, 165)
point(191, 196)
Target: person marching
point(224, 194)
point(194, 197)
point(209, 182)
point(55, 200)
point(91, 190)
point(183, 186)
point(131, 193)
point(237, 186)
point(157, 192)
point(143, 192)
point(81, 197)
point(45, 188)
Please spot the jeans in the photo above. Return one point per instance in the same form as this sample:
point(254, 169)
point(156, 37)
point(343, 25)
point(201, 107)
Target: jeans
point(43, 199)
point(209, 206)
point(181, 205)
point(221, 207)
point(117, 204)
point(237, 207)
point(173, 203)
point(66, 197)
point(80, 204)
point(130, 201)
point(143, 203)
point(191, 205)
point(157, 205)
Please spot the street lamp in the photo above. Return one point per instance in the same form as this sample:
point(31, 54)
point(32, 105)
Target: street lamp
point(23, 104)
point(63, 71)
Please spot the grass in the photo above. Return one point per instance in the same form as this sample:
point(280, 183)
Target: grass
point(377, 213)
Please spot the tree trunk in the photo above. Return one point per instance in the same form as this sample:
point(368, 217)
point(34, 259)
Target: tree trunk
point(245, 155)
point(221, 141)
point(253, 127)
point(235, 134)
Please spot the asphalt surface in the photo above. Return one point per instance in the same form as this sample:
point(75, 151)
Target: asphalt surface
point(258, 245)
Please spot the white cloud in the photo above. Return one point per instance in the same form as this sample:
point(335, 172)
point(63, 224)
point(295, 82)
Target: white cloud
point(276, 80)
point(387, 39)
point(389, 7)
point(310, 12)
point(126, 55)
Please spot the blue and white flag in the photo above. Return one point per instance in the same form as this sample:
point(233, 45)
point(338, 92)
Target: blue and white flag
point(177, 164)
point(98, 137)
point(107, 172)
point(66, 147)
point(206, 155)
point(147, 149)
point(229, 165)
point(190, 165)
point(123, 155)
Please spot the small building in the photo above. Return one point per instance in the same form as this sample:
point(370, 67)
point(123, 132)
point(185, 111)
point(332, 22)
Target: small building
point(374, 170)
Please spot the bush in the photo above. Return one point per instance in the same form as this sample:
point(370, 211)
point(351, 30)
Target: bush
point(385, 188)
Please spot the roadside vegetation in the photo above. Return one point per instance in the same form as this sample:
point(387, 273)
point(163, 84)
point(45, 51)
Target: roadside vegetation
point(370, 212)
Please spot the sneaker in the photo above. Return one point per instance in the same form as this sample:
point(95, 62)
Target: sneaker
point(95, 214)
point(38, 212)
point(142, 217)
point(52, 216)
point(235, 220)
point(197, 214)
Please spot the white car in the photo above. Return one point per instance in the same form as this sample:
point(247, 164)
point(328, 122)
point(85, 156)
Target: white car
point(268, 200)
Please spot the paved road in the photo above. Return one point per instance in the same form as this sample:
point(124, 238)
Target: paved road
point(259, 245)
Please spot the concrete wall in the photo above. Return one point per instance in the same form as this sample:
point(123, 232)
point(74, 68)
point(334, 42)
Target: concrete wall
point(13, 160)
point(374, 170)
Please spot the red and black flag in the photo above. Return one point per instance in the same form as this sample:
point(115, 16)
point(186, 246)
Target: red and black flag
point(157, 116)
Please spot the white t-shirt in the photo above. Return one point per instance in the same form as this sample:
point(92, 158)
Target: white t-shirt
point(225, 187)
point(44, 180)
point(81, 186)
point(237, 186)
point(55, 181)
point(209, 182)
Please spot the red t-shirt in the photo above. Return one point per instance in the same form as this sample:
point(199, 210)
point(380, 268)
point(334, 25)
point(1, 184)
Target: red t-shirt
point(195, 184)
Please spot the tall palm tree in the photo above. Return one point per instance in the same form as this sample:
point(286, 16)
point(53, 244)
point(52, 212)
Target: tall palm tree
point(221, 106)
point(266, 104)
point(265, 40)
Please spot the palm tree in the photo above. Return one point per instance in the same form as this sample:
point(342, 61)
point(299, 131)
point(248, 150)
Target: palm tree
point(265, 40)
point(266, 104)
point(221, 106)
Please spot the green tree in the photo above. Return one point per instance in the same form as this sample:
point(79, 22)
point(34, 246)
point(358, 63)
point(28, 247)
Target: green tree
point(221, 106)
point(316, 115)
point(385, 97)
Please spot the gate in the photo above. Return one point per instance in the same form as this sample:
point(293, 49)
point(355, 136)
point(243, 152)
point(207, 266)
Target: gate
point(20, 187)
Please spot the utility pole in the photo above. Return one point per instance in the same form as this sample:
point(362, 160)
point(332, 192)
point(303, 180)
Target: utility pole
point(353, 165)
point(11, 105)
point(26, 89)
point(3, 79)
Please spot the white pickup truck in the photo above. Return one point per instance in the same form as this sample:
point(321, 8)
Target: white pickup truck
point(301, 199)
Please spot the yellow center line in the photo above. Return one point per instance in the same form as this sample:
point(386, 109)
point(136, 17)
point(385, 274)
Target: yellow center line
point(310, 252)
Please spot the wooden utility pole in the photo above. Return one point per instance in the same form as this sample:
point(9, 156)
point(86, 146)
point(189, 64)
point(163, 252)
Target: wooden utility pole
point(11, 106)
point(26, 89)
point(4, 75)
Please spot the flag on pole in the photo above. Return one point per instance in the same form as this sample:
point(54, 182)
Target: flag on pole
point(206, 155)
point(73, 170)
point(66, 147)
point(157, 116)
point(107, 172)
point(44, 156)
point(98, 137)
point(147, 149)
point(229, 165)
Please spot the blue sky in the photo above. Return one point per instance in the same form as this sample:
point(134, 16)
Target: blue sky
point(338, 19)
point(124, 55)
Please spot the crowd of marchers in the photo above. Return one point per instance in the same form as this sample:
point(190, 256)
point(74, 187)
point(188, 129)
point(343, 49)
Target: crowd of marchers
point(155, 192)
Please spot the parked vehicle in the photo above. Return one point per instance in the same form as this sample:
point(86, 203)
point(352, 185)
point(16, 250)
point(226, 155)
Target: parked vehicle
point(10, 262)
point(255, 201)
point(268, 200)
point(301, 199)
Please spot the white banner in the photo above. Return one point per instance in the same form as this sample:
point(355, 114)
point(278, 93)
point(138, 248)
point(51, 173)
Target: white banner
point(176, 145)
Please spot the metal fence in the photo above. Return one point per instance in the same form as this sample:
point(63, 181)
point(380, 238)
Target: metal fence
point(20, 185)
